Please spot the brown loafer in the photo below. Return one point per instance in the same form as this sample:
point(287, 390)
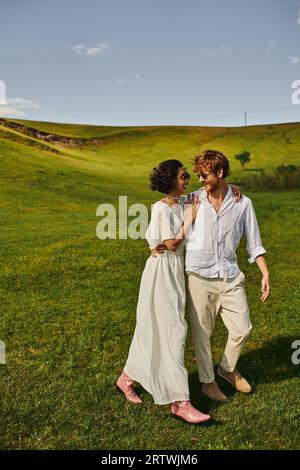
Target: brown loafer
point(236, 380)
point(212, 391)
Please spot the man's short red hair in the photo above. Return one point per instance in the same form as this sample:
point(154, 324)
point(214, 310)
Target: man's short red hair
point(212, 161)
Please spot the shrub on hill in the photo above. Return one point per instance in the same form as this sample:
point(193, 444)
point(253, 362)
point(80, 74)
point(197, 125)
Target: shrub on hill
point(285, 177)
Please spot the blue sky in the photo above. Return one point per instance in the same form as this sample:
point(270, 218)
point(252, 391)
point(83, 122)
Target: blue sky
point(143, 62)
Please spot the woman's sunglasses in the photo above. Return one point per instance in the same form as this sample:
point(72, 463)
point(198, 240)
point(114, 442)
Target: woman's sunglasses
point(185, 176)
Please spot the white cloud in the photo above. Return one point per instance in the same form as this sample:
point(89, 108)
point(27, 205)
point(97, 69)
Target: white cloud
point(271, 43)
point(7, 111)
point(15, 106)
point(79, 48)
point(222, 49)
point(227, 49)
point(82, 49)
point(23, 103)
point(293, 59)
point(136, 76)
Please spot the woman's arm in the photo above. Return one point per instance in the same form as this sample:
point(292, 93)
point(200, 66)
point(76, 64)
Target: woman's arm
point(237, 192)
point(189, 218)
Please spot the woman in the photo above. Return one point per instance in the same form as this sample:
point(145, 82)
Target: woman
point(156, 354)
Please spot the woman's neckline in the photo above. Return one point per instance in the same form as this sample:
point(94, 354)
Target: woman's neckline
point(179, 202)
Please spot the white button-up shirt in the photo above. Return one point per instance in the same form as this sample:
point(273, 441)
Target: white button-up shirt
point(212, 242)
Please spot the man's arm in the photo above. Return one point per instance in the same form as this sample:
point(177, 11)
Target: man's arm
point(265, 281)
point(256, 250)
point(254, 243)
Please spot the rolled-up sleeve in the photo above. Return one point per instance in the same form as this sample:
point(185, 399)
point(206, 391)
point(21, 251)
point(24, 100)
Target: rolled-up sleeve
point(254, 243)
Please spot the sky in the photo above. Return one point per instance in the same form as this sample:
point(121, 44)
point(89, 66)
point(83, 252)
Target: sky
point(150, 62)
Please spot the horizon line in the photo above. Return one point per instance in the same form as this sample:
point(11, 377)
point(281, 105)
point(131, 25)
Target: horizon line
point(149, 125)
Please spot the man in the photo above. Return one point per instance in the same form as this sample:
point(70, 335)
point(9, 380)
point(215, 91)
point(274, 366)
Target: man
point(215, 282)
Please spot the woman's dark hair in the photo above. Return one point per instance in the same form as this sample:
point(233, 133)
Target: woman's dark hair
point(163, 176)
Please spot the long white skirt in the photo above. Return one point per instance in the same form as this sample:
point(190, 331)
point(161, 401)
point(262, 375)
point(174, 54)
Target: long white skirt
point(156, 354)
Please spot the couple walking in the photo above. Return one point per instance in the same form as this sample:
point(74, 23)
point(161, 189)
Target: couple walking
point(207, 231)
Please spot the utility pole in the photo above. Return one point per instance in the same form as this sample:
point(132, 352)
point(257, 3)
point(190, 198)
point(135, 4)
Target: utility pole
point(245, 113)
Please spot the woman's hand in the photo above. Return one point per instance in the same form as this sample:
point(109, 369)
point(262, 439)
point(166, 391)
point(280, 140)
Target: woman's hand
point(158, 249)
point(195, 205)
point(193, 202)
point(237, 192)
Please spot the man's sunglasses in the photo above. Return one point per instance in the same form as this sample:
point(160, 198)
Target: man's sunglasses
point(203, 175)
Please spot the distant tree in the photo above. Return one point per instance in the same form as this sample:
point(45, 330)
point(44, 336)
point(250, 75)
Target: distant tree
point(243, 157)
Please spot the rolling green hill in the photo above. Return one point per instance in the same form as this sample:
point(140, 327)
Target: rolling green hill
point(270, 145)
point(68, 299)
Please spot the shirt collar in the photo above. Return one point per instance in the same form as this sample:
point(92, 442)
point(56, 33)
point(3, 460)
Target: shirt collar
point(229, 194)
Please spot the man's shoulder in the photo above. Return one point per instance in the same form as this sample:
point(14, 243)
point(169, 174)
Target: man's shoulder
point(246, 201)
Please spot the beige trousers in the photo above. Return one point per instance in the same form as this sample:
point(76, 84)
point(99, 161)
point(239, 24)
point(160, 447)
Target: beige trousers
point(208, 297)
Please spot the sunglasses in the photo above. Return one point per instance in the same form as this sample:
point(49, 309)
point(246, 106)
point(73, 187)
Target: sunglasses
point(203, 175)
point(185, 176)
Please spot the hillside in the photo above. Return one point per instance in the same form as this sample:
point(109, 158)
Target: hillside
point(69, 299)
point(140, 148)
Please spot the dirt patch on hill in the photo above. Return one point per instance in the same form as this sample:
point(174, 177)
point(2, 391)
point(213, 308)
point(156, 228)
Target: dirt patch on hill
point(52, 138)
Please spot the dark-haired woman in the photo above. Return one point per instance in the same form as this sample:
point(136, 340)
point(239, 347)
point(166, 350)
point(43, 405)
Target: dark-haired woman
point(156, 354)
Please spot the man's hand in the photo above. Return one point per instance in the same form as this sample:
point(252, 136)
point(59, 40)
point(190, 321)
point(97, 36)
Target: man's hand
point(158, 249)
point(265, 287)
point(237, 192)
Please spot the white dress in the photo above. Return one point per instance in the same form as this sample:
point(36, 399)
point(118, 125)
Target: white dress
point(156, 354)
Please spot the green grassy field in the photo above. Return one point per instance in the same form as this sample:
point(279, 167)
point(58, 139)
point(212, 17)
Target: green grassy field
point(68, 299)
